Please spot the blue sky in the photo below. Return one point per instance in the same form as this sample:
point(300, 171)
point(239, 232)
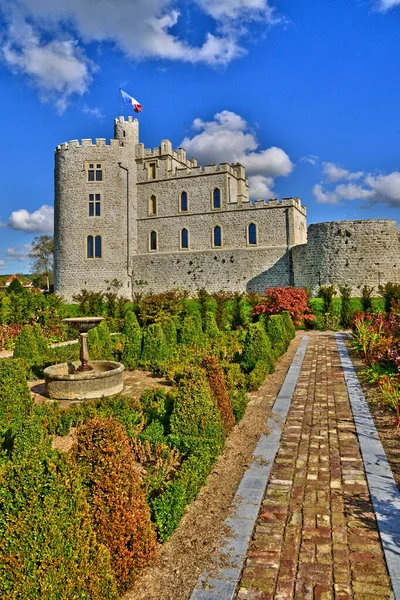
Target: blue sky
point(304, 93)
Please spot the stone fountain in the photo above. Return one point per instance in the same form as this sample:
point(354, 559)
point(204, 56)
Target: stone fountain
point(85, 379)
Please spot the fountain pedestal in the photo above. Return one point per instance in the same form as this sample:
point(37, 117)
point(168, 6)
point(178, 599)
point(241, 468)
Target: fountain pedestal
point(87, 379)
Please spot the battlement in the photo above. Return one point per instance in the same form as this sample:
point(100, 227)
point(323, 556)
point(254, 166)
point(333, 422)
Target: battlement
point(275, 203)
point(88, 143)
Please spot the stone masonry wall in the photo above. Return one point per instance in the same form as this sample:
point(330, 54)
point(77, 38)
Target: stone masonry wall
point(356, 253)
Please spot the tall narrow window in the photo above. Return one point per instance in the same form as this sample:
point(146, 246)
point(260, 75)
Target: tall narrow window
point(184, 238)
point(184, 202)
point(94, 205)
point(95, 172)
point(152, 205)
point(217, 237)
point(97, 246)
point(90, 247)
point(217, 198)
point(252, 234)
point(151, 170)
point(153, 240)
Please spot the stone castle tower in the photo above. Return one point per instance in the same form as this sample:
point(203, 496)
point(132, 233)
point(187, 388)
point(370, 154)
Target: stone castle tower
point(134, 214)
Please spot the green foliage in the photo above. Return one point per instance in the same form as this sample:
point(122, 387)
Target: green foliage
point(132, 336)
point(221, 302)
point(257, 376)
point(346, 311)
point(15, 398)
point(15, 287)
point(257, 348)
point(32, 348)
point(196, 424)
point(155, 347)
point(275, 326)
point(239, 400)
point(114, 488)
point(210, 326)
point(100, 344)
point(234, 376)
point(238, 317)
point(157, 405)
point(48, 548)
point(327, 293)
point(288, 325)
point(390, 292)
point(171, 335)
point(203, 299)
point(366, 298)
point(153, 433)
point(191, 332)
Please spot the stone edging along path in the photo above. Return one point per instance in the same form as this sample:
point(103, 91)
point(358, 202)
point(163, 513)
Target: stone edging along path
point(382, 486)
point(220, 583)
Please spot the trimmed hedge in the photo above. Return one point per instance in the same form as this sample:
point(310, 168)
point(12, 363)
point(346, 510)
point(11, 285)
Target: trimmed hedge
point(276, 330)
point(132, 336)
point(155, 347)
point(48, 548)
point(216, 380)
point(100, 344)
point(257, 348)
point(121, 516)
point(191, 333)
point(15, 398)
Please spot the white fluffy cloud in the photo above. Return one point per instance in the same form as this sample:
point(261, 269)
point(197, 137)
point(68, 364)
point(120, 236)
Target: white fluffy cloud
point(228, 139)
point(45, 40)
point(20, 255)
point(2, 264)
point(384, 5)
point(39, 221)
point(370, 189)
point(333, 172)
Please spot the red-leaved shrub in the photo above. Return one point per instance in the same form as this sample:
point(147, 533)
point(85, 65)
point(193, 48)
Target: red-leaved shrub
point(294, 300)
point(216, 380)
point(121, 516)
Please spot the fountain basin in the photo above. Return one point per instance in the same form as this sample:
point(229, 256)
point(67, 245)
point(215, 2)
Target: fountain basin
point(65, 382)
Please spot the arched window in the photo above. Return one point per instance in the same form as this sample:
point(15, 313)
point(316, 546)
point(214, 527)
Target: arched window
point(90, 247)
point(217, 236)
point(184, 202)
point(97, 246)
point(217, 198)
point(152, 205)
point(252, 234)
point(153, 240)
point(184, 238)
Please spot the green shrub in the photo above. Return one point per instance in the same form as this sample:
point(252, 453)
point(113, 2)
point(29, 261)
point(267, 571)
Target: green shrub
point(42, 345)
point(390, 292)
point(196, 423)
point(216, 380)
point(15, 398)
point(210, 326)
point(366, 298)
point(257, 348)
point(191, 333)
point(121, 516)
point(257, 376)
point(155, 347)
point(132, 341)
point(238, 317)
point(157, 405)
point(153, 433)
point(171, 335)
point(239, 401)
point(48, 548)
point(346, 311)
point(103, 347)
point(275, 326)
point(290, 329)
point(26, 346)
point(234, 376)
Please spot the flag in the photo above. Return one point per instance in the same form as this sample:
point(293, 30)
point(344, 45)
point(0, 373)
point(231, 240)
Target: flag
point(127, 99)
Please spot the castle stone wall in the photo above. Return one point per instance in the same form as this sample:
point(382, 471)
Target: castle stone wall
point(230, 270)
point(356, 253)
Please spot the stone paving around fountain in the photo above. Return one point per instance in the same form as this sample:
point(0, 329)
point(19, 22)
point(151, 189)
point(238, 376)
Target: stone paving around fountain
point(310, 531)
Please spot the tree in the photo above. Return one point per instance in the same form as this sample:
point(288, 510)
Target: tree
point(42, 255)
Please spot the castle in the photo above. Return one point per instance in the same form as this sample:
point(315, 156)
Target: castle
point(156, 219)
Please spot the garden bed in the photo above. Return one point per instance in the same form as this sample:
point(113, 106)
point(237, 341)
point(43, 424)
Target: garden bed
point(189, 551)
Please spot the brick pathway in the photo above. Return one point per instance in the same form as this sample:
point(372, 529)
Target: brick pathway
point(316, 536)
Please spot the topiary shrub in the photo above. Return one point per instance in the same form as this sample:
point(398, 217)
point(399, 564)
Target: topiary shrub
point(191, 333)
point(257, 348)
point(216, 380)
point(26, 347)
point(157, 405)
point(15, 398)
point(257, 376)
point(210, 326)
point(239, 400)
point(48, 548)
point(132, 336)
point(346, 311)
point(289, 325)
point(171, 335)
point(234, 376)
point(42, 345)
point(100, 343)
point(275, 327)
point(121, 516)
point(154, 345)
point(196, 423)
